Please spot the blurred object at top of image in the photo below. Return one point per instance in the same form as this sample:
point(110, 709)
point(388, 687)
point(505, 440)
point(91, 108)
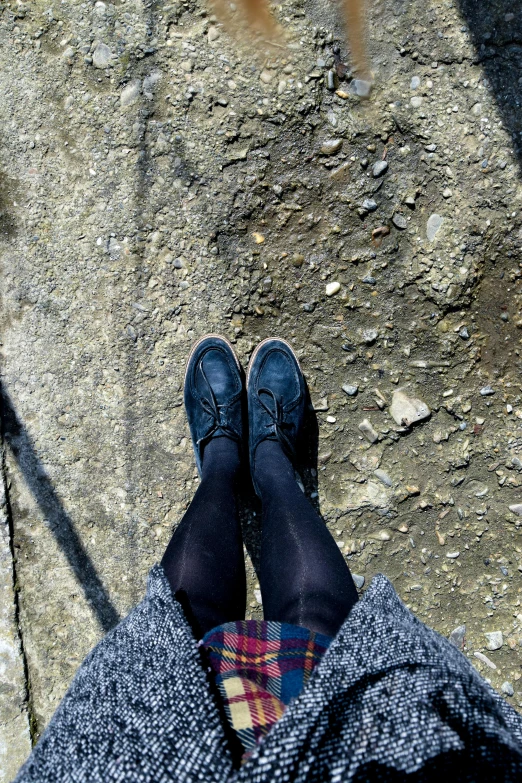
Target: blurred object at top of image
point(252, 21)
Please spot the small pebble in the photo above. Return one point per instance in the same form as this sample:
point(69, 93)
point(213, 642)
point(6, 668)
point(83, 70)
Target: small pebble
point(102, 56)
point(406, 411)
point(358, 580)
point(416, 101)
point(464, 333)
point(361, 87)
point(369, 205)
point(382, 535)
point(487, 391)
point(452, 555)
point(266, 76)
point(507, 688)
point(433, 225)
point(332, 288)
point(331, 419)
point(399, 221)
point(368, 431)
point(456, 637)
point(130, 93)
point(516, 508)
point(415, 82)
point(485, 659)
point(351, 391)
point(447, 193)
point(379, 168)
point(331, 146)
point(331, 81)
point(321, 405)
point(494, 640)
point(369, 336)
point(383, 477)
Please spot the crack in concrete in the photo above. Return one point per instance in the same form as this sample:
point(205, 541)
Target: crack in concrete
point(28, 704)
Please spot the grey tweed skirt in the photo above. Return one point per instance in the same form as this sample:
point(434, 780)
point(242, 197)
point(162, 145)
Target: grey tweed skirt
point(390, 700)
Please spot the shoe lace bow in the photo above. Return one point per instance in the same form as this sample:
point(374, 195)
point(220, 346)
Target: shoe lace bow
point(211, 407)
point(277, 421)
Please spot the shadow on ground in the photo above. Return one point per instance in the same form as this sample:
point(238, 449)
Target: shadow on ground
point(18, 440)
point(496, 33)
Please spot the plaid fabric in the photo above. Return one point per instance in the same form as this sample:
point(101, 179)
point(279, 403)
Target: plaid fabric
point(259, 667)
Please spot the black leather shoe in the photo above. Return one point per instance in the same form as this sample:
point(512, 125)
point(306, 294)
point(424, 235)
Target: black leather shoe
point(214, 393)
point(276, 397)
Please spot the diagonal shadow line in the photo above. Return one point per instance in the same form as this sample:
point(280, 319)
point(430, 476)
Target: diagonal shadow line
point(498, 44)
point(58, 521)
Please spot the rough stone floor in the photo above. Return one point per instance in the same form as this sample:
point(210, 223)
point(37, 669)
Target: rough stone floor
point(160, 180)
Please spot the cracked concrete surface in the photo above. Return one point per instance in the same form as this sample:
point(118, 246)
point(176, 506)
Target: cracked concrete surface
point(15, 740)
point(158, 180)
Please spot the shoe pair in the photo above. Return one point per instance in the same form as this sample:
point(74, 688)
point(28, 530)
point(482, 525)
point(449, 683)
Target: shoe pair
point(216, 396)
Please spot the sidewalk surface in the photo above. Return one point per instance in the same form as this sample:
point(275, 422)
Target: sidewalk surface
point(158, 181)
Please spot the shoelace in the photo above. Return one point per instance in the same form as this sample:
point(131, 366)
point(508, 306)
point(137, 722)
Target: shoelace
point(213, 408)
point(277, 419)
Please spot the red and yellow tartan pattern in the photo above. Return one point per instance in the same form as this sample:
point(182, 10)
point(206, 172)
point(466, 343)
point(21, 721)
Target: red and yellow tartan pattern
point(259, 667)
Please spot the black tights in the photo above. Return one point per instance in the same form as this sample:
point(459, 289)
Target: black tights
point(303, 575)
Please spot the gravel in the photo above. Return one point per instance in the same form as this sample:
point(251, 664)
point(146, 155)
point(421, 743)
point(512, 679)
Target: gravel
point(406, 411)
point(358, 580)
point(484, 659)
point(102, 56)
point(457, 636)
point(130, 93)
point(368, 431)
point(331, 146)
point(494, 640)
point(379, 168)
point(399, 221)
point(333, 288)
point(507, 688)
point(433, 226)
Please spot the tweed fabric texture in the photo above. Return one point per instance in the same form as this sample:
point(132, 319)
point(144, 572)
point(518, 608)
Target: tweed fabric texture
point(390, 700)
point(259, 667)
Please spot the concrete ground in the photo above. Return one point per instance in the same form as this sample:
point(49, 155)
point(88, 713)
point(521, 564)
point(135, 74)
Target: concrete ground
point(159, 180)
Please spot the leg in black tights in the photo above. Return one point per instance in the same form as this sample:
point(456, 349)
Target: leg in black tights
point(204, 560)
point(304, 577)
